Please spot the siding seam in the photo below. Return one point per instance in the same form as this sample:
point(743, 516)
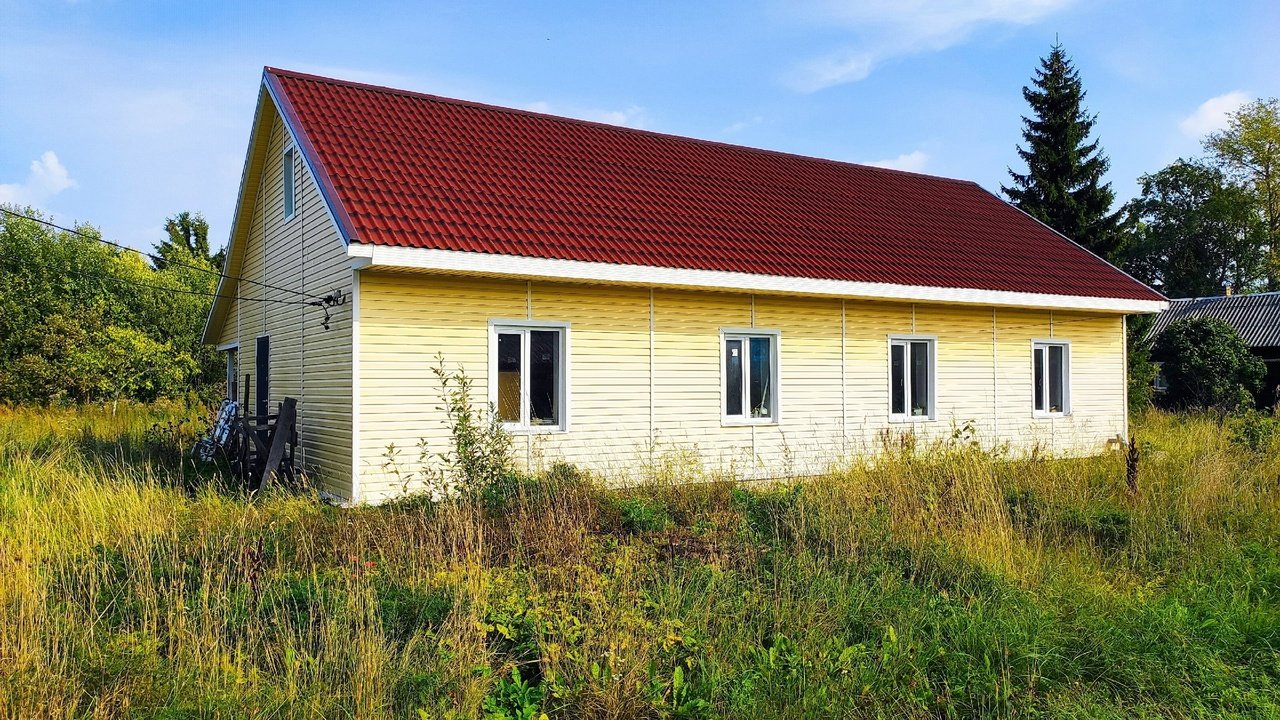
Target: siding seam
point(995, 380)
point(355, 386)
point(1053, 424)
point(755, 458)
point(1124, 376)
point(653, 440)
point(528, 315)
point(262, 252)
point(302, 331)
point(844, 385)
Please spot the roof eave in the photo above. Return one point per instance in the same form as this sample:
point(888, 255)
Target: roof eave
point(227, 284)
point(510, 266)
point(298, 131)
point(1095, 255)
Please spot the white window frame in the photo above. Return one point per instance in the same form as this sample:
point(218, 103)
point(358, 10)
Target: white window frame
point(288, 161)
point(775, 375)
point(229, 348)
point(523, 327)
point(906, 340)
point(1066, 377)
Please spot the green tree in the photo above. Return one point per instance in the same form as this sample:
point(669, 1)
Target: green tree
point(1063, 185)
point(1249, 148)
point(1207, 365)
point(188, 237)
point(81, 321)
point(1194, 233)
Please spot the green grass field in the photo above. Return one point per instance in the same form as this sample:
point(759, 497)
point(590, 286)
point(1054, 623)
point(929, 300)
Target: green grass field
point(944, 583)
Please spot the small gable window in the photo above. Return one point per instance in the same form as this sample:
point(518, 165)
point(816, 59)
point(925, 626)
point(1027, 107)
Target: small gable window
point(289, 196)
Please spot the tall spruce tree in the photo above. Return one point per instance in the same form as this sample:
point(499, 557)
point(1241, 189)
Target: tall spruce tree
point(1063, 185)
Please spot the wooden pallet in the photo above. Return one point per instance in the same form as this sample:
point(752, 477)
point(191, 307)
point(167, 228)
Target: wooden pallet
point(262, 447)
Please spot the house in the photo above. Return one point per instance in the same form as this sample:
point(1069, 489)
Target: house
point(623, 296)
point(1255, 317)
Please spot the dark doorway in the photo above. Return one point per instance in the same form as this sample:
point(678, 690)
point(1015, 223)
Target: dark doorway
point(263, 359)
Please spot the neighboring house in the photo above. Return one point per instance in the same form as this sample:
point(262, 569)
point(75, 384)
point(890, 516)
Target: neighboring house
point(624, 297)
point(1255, 317)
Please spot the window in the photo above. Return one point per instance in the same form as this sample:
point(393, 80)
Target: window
point(233, 374)
point(528, 387)
point(1051, 377)
point(289, 198)
point(911, 378)
point(750, 377)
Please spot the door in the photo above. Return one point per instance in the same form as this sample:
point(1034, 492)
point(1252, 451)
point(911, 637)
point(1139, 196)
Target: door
point(263, 359)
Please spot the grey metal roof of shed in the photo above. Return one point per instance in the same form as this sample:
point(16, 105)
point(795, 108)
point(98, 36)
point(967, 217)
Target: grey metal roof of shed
point(1256, 317)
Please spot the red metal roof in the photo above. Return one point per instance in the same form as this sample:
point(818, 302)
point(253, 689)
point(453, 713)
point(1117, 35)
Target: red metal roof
point(417, 170)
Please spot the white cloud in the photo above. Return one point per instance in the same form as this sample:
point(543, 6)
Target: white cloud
point(1211, 116)
point(631, 116)
point(912, 161)
point(741, 125)
point(888, 29)
point(844, 66)
point(47, 177)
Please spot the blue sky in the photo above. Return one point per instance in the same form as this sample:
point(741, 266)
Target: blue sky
point(120, 113)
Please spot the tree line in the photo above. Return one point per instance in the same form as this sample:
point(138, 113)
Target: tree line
point(82, 321)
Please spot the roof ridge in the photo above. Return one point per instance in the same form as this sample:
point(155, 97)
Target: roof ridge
point(603, 125)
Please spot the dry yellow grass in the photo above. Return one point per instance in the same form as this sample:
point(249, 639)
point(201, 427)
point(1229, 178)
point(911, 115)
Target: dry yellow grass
point(941, 582)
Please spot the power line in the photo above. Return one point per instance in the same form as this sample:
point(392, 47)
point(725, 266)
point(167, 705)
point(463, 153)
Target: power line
point(184, 291)
point(155, 258)
point(325, 303)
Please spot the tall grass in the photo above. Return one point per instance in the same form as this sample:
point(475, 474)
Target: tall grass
point(936, 583)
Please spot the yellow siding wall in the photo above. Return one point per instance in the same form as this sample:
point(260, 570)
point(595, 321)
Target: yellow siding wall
point(645, 374)
point(307, 362)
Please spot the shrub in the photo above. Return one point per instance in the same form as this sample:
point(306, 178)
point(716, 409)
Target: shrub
point(479, 457)
point(513, 699)
point(1207, 365)
point(1141, 371)
point(1254, 431)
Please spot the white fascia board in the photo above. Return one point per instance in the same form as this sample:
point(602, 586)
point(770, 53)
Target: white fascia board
point(494, 265)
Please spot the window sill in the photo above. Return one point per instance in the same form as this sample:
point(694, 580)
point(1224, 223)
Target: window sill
point(730, 422)
point(1049, 416)
point(908, 419)
point(535, 429)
